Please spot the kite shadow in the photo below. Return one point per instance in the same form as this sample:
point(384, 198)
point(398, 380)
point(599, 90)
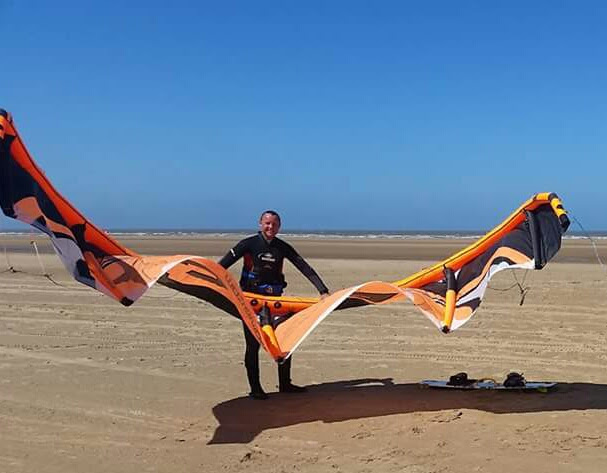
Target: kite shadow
point(242, 419)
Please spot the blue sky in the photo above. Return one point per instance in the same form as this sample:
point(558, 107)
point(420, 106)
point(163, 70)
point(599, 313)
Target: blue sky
point(339, 114)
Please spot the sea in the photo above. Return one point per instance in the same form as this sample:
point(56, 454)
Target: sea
point(316, 234)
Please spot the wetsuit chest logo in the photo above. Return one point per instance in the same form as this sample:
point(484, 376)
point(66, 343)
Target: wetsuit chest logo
point(267, 257)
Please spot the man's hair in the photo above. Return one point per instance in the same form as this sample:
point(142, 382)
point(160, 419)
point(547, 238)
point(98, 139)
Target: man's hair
point(270, 212)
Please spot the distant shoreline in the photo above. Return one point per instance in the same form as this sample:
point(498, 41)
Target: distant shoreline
point(312, 234)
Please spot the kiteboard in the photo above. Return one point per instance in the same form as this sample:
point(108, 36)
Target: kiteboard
point(513, 382)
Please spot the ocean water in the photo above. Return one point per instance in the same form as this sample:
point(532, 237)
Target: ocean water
point(318, 234)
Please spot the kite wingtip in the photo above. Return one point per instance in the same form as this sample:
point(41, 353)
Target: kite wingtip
point(125, 301)
point(445, 329)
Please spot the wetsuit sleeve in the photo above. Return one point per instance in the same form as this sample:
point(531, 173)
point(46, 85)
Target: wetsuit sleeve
point(305, 269)
point(234, 254)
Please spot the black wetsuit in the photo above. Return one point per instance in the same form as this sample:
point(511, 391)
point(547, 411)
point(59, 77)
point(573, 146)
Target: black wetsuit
point(262, 274)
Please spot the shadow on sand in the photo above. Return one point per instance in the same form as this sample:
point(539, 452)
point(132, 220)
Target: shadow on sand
point(242, 419)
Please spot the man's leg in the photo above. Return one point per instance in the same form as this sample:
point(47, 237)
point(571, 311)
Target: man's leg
point(251, 362)
point(284, 379)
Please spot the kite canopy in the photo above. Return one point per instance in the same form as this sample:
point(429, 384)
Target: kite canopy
point(448, 293)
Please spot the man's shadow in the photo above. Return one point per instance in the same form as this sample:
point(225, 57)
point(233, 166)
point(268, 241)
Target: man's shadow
point(242, 419)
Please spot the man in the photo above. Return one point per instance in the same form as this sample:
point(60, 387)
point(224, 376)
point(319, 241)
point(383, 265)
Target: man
point(263, 255)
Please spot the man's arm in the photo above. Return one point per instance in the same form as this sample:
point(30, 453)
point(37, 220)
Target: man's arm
point(233, 255)
point(305, 269)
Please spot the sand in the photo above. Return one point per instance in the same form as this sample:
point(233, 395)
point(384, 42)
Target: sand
point(87, 385)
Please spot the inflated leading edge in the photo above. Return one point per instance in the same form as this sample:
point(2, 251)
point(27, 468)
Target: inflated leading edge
point(448, 293)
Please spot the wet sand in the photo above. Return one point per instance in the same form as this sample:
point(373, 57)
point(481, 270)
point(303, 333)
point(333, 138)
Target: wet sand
point(89, 385)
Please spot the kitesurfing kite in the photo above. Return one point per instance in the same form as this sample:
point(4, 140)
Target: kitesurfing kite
point(448, 293)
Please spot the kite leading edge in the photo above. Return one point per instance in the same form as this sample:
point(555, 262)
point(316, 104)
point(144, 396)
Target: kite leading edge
point(448, 293)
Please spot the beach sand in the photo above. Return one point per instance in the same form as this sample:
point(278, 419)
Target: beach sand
point(89, 385)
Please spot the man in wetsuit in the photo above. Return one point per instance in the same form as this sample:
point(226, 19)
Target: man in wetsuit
point(263, 255)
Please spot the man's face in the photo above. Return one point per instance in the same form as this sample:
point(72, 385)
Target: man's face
point(269, 225)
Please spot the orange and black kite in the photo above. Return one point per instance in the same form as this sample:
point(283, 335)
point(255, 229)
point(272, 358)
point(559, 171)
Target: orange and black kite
point(448, 293)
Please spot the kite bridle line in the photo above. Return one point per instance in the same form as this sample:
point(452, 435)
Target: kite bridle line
point(9, 266)
point(520, 285)
point(587, 235)
point(11, 269)
point(525, 289)
point(48, 276)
